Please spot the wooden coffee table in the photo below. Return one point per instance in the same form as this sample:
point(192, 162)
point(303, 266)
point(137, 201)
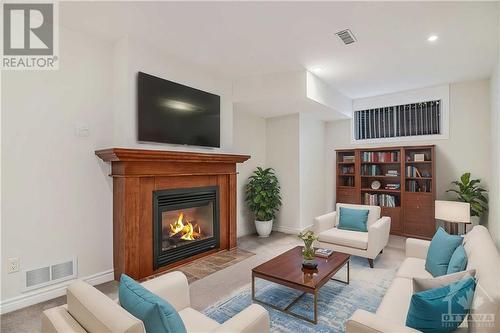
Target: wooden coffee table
point(286, 269)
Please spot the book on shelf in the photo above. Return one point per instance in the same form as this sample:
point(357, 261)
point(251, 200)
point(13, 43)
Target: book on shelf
point(412, 172)
point(347, 169)
point(392, 173)
point(348, 181)
point(383, 200)
point(348, 159)
point(371, 170)
point(323, 253)
point(416, 186)
point(372, 156)
point(392, 186)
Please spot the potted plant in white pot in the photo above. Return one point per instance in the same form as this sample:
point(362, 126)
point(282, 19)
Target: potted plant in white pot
point(263, 198)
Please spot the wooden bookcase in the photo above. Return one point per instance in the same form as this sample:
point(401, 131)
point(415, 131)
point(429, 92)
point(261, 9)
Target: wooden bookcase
point(395, 178)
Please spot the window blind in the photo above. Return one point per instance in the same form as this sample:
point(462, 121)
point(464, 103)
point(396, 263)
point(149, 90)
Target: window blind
point(398, 121)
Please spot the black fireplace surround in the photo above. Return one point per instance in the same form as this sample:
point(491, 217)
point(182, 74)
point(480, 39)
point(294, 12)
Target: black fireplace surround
point(185, 223)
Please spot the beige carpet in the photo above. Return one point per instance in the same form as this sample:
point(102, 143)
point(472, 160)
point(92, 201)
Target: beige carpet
point(220, 277)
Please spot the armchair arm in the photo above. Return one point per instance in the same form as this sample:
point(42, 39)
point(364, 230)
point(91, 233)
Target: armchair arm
point(378, 236)
point(58, 319)
point(324, 222)
point(366, 322)
point(417, 248)
point(172, 287)
point(254, 319)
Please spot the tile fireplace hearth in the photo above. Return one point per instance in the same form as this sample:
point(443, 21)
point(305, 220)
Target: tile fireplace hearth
point(170, 208)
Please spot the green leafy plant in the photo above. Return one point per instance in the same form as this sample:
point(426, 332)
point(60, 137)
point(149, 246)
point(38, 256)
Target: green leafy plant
point(469, 191)
point(263, 194)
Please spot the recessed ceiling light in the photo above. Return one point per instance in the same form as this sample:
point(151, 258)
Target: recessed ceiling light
point(432, 38)
point(317, 70)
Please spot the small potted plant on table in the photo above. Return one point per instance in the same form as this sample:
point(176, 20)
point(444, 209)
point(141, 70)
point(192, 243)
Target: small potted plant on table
point(264, 199)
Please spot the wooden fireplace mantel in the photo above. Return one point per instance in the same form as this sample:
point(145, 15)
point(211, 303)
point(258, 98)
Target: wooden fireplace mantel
point(137, 173)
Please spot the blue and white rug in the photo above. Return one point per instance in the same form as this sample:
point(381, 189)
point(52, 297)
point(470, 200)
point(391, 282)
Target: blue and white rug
point(336, 301)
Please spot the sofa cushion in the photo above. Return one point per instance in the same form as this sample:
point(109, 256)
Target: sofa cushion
point(373, 212)
point(483, 256)
point(353, 219)
point(354, 239)
point(413, 267)
point(427, 308)
point(97, 313)
point(196, 321)
point(458, 261)
point(440, 251)
point(395, 304)
point(440, 281)
point(156, 313)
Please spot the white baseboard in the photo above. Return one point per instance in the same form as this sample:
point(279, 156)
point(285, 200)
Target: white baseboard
point(288, 230)
point(45, 294)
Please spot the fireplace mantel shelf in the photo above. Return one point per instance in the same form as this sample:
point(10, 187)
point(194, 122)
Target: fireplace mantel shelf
point(129, 155)
point(138, 174)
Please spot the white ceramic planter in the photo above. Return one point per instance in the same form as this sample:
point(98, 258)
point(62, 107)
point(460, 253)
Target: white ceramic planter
point(264, 228)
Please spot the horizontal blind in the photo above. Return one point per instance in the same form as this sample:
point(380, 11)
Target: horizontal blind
point(405, 120)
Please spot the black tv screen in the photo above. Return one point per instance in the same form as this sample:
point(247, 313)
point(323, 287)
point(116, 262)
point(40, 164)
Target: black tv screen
point(170, 112)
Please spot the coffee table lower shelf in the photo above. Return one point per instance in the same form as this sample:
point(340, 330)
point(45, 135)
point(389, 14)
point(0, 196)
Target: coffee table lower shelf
point(287, 308)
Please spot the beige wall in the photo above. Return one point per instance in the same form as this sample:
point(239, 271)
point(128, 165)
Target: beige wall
point(282, 154)
point(494, 216)
point(312, 169)
point(467, 149)
point(249, 138)
point(56, 194)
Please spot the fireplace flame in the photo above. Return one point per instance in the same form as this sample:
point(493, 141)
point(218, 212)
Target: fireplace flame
point(184, 229)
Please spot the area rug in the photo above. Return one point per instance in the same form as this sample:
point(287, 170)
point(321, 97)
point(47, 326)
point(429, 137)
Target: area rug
point(336, 301)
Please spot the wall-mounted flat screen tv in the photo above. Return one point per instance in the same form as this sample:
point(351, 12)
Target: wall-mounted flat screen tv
point(170, 112)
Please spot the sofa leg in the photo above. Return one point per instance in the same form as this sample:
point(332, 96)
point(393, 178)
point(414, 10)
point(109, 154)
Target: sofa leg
point(370, 261)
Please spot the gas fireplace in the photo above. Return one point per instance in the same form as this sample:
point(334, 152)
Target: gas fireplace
point(185, 223)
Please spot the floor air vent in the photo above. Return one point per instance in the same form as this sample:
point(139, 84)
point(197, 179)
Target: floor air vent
point(346, 36)
point(48, 275)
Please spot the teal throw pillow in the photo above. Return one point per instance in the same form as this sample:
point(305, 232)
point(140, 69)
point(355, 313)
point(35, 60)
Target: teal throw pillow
point(440, 252)
point(441, 310)
point(353, 219)
point(157, 314)
point(458, 261)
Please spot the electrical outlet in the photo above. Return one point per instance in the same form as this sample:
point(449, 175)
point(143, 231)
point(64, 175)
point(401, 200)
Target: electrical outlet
point(13, 265)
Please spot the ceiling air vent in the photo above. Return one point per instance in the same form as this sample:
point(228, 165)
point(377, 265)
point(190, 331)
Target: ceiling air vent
point(346, 36)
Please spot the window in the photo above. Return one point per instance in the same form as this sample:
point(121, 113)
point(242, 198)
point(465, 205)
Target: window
point(405, 120)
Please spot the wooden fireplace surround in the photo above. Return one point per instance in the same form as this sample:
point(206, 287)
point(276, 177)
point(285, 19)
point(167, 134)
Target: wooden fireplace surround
point(136, 174)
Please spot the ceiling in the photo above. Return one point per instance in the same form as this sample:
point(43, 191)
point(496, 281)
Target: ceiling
point(242, 39)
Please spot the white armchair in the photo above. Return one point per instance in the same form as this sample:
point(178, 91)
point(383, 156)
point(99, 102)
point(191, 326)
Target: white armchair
point(364, 244)
point(89, 310)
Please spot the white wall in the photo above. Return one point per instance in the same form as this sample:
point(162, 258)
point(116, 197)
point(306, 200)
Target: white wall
point(249, 138)
point(494, 214)
point(132, 56)
point(467, 149)
point(56, 195)
point(69, 212)
point(312, 169)
point(282, 154)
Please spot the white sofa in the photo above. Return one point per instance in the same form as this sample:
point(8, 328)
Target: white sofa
point(482, 256)
point(364, 244)
point(89, 310)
